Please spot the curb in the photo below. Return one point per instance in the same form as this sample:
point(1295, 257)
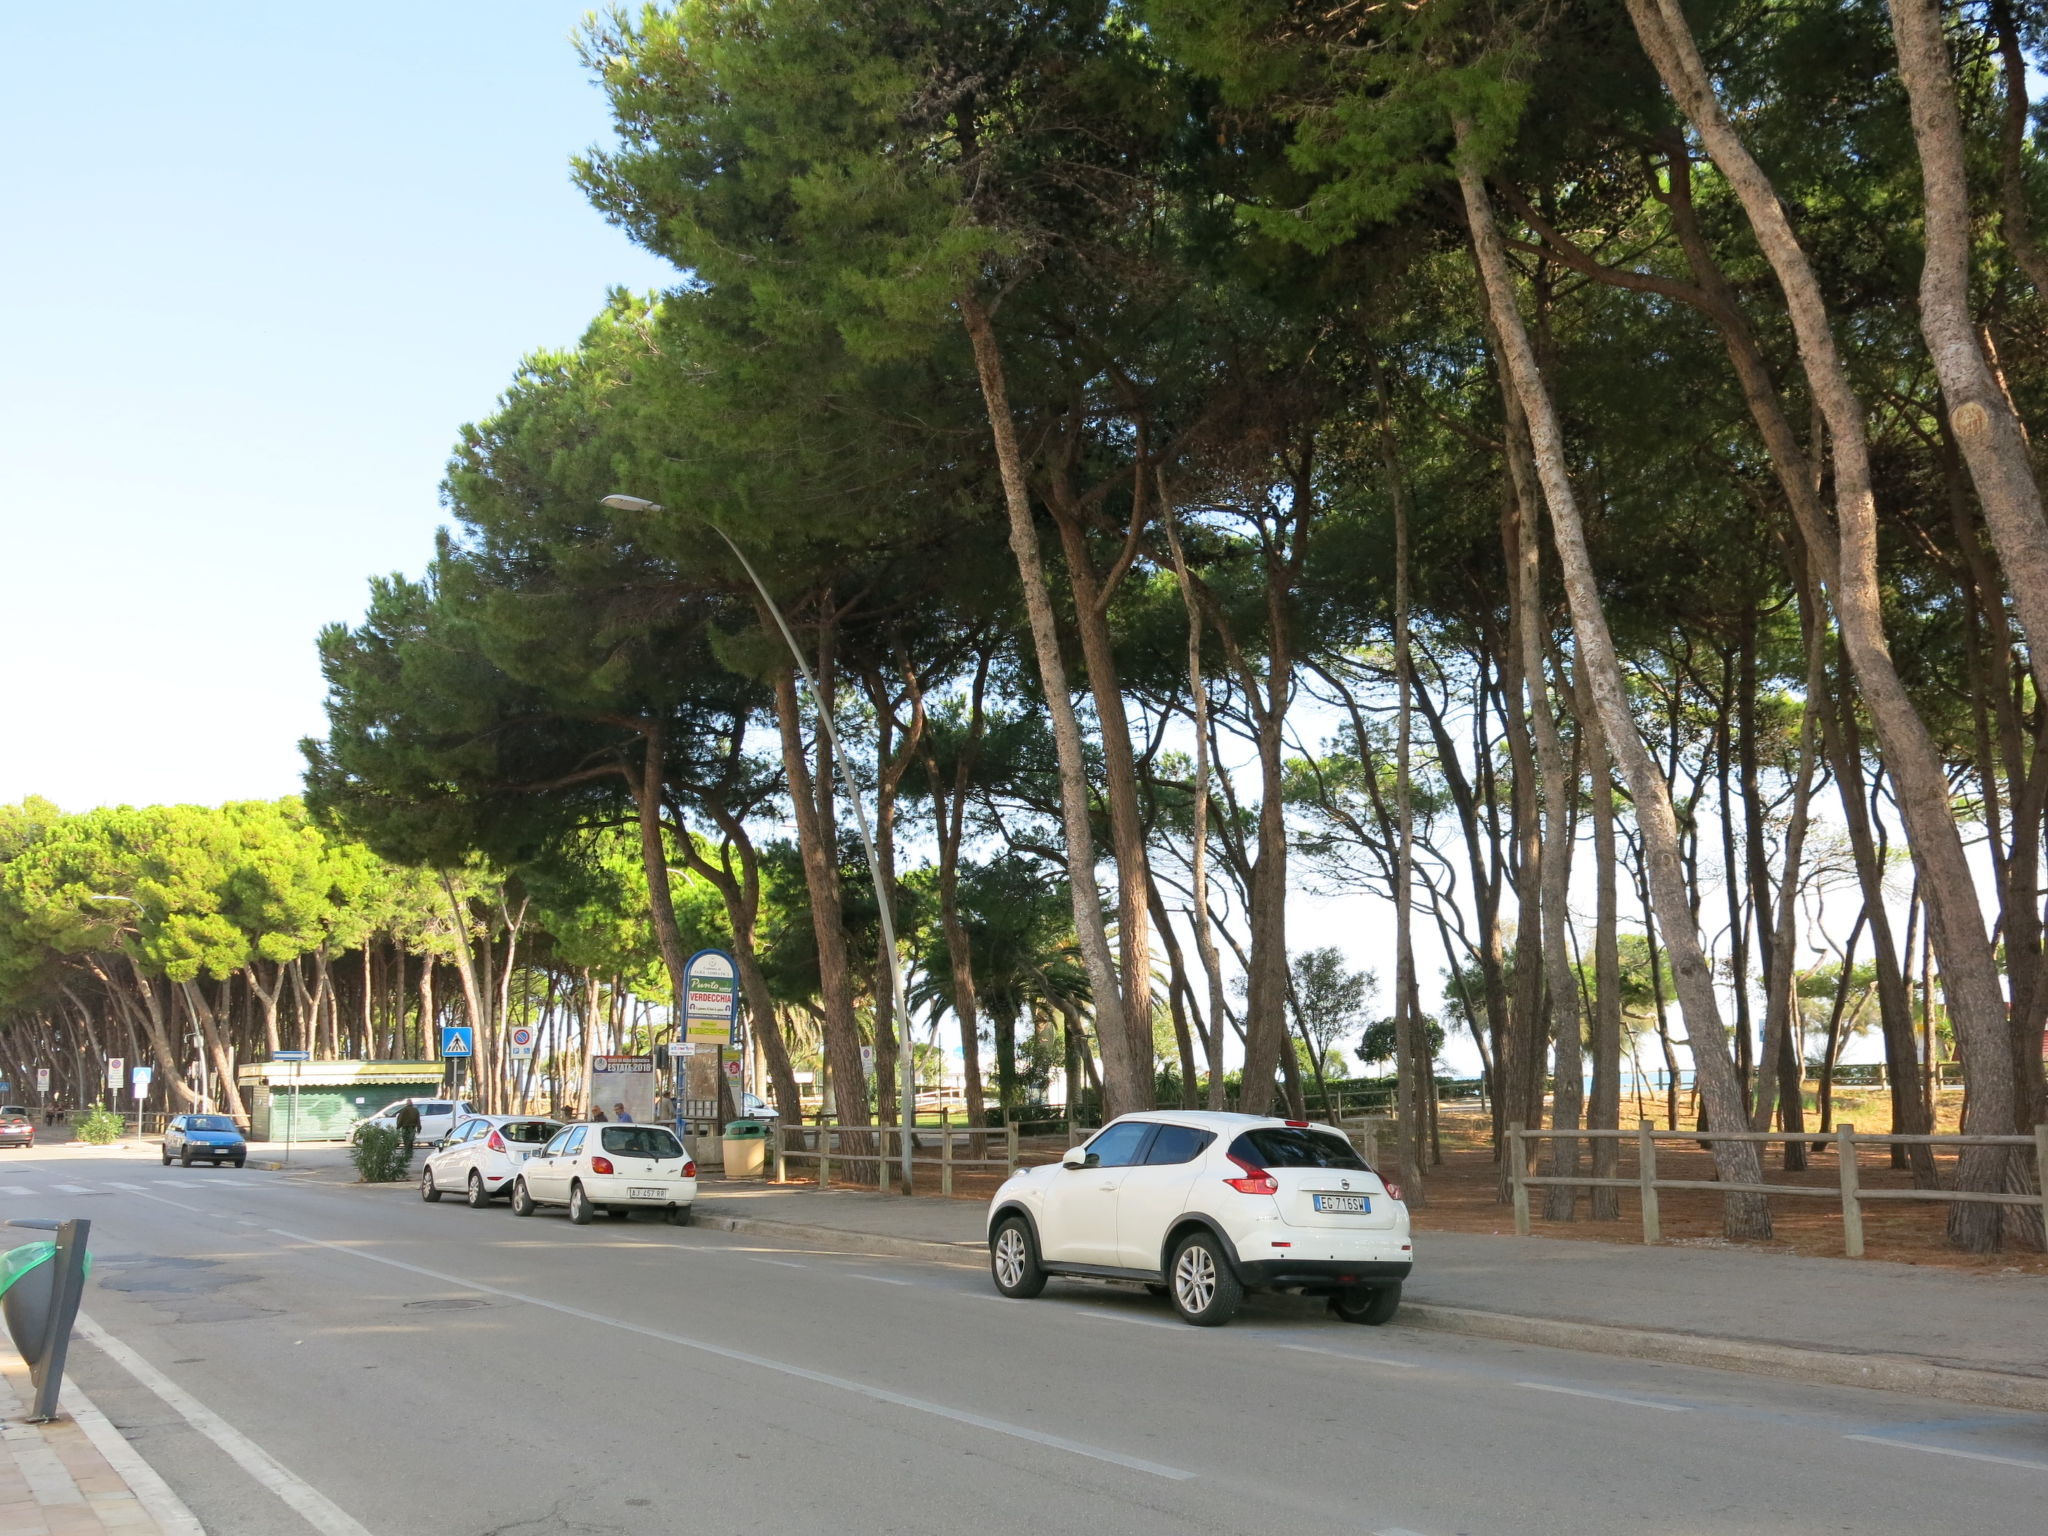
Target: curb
point(1785, 1362)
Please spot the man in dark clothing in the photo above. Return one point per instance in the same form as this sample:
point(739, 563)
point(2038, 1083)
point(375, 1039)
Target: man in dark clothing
point(408, 1125)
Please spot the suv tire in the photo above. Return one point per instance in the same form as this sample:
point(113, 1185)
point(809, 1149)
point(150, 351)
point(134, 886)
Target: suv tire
point(1013, 1259)
point(580, 1208)
point(1206, 1290)
point(1369, 1304)
point(429, 1190)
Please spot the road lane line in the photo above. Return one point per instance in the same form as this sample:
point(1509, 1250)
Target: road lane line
point(150, 1490)
point(1605, 1397)
point(318, 1511)
point(1942, 1450)
point(880, 1279)
point(1397, 1530)
point(755, 1258)
point(1103, 1315)
point(1345, 1354)
point(143, 1194)
point(15, 1189)
point(762, 1362)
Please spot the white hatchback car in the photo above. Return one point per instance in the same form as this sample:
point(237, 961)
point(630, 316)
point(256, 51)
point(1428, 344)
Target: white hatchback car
point(438, 1117)
point(612, 1168)
point(482, 1156)
point(1204, 1207)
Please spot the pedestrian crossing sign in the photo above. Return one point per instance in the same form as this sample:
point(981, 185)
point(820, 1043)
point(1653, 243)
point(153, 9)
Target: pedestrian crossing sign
point(455, 1039)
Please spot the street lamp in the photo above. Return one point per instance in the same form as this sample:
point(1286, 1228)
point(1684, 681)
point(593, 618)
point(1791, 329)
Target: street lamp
point(622, 503)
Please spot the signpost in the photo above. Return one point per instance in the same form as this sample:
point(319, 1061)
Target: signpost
point(711, 1018)
point(116, 1067)
point(43, 1083)
point(458, 1043)
point(291, 1124)
point(138, 1080)
point(522, 1043)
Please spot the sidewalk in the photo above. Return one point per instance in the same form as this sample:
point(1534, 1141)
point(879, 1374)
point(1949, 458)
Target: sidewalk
point(78, 1476)
point(1969, 1335)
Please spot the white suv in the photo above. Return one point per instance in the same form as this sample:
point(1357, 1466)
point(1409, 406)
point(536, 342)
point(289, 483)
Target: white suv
point(1204, 1207)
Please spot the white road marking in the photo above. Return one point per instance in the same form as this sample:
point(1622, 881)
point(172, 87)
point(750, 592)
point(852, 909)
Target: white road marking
point(755, 1258)
point(133, 1189)
point(77, 1189)
point(15, 1189)
point(1605, 1397)
point(881, 1279)
point(150, 1490)
point(1345, 1354)
point(319, 1511)
point(1125, 1317)
point(142, 1194)
point(1397, 1530)
point(1942, 1450)
point(762, 1362)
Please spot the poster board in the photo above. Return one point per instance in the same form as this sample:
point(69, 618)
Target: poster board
point(615, 1080)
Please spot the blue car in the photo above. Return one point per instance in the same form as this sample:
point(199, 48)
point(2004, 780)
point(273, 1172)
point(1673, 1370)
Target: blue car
point(196, 1138)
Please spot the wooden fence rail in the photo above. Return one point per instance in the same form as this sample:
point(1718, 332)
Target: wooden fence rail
point(1847, 1189)
point(946, 1134)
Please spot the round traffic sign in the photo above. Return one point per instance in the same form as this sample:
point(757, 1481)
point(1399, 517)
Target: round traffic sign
point(732, 1069)
point(523, 1035)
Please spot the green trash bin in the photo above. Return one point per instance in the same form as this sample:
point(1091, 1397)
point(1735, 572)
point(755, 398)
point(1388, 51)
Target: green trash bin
point(745, 1145)
point(27, 1292)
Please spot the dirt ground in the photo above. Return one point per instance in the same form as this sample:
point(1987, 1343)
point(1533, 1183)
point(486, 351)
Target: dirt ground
point(1460, 1194)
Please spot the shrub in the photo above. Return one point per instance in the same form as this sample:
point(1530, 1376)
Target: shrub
point(377, 1154)
point(99, 1126)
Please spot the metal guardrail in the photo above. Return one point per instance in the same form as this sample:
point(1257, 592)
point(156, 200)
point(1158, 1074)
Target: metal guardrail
point(1848, 1187)
point(879, 1153)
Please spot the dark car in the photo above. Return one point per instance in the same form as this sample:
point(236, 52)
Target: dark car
point(17, 1126)
point(199, 1138)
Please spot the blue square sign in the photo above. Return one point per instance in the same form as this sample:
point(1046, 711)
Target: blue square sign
point(455, 1039)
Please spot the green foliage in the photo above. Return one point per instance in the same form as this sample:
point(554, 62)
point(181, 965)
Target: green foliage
point(378, 1154)
point(98, 1126)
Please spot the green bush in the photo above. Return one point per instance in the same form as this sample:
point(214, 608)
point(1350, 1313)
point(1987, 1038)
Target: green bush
point(377, 1154)
point(99, 1125)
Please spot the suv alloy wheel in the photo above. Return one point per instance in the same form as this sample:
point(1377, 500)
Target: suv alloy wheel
point(1206, 1290)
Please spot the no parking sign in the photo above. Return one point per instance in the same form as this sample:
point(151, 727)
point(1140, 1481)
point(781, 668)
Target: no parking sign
point(522, 1043)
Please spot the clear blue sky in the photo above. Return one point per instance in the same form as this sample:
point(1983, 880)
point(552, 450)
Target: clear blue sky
point(260, 263)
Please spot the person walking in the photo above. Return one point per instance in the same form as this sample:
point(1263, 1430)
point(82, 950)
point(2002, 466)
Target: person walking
point(408, 1125)
point(619, 1114)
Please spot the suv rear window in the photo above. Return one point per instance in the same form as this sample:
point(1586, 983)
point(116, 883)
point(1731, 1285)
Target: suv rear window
point(1289, 1146)
point(433, 1107)
point(528, 1132)
point(641, 1141)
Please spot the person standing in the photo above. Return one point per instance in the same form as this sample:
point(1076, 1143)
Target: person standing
point(408, 1125)
point(619, 1114)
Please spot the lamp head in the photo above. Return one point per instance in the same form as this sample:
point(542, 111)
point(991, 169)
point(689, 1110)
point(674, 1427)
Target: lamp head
point(631, 504)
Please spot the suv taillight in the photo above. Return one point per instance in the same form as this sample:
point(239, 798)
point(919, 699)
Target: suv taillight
point(1256, 1180)
point(1393, 1189)
point(495, 1142)
point(600, 1165)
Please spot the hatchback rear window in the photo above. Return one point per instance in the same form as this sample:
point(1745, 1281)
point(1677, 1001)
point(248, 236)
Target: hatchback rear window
point(641, 1141)
point(1287, 1146)
point(528, 1132)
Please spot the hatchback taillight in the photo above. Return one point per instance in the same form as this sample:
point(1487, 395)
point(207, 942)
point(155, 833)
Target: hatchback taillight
point(690, 1169)
point(600, 1165)
point(495, 1142)
point(1256, 1180)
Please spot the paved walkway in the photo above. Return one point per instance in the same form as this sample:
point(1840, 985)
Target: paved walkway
point(1965, 1318)
point(78, 1476)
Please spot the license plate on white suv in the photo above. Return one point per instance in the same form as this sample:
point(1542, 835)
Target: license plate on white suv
point(1346, 1205)
point(646, 1192)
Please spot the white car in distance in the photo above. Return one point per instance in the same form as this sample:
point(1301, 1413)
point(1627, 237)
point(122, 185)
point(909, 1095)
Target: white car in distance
point(482, 1157)
point(1205, 1206)
point(438, 1117)
point(613, 1168)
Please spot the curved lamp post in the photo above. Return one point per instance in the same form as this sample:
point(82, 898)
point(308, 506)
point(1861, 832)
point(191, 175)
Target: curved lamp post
point(621, 503)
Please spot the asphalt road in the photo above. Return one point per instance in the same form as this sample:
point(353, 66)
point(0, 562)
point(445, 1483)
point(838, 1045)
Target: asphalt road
point(345, 1361)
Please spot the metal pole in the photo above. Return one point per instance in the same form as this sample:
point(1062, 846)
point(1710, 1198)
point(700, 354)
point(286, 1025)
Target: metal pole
point(860, 814)
point(67, 1286)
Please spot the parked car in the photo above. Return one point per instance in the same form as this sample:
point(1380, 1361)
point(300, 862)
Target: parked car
point(1204, 1207)
point(438, 1118)
point(754, 1107)
point(17, 1126)
point(204, 1138)
point(482, 1156)
point(616, 1169)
